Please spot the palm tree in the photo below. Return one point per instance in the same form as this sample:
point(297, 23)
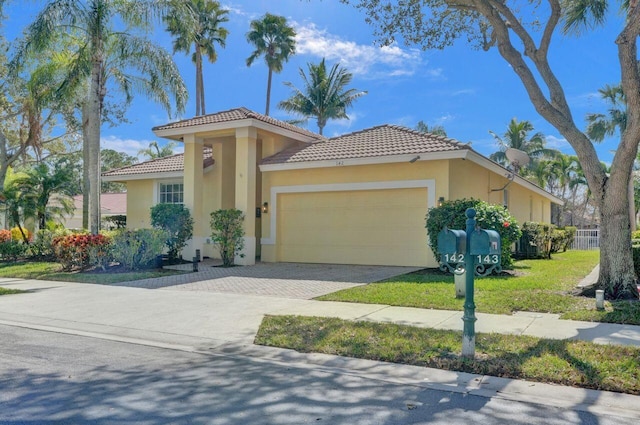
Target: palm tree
point(43, 183)
point(197, 23)
point(601, 126)
point(517, 137)
point(273, 38)
point(438, 130)
point(324, 95)
point(154, 151)
point(103, 54)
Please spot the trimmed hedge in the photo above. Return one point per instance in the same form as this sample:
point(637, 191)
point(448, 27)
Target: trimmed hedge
point(540, 240)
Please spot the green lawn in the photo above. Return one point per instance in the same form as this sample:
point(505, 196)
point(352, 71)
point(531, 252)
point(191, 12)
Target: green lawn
point(52, 271)
point(536, 285)
point(7, 291)
point(574, 363)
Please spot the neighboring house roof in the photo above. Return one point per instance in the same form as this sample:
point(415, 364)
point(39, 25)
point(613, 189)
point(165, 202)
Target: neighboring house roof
point(110, 203)
point(384, 140)
point(167, 164)
point(231, 116)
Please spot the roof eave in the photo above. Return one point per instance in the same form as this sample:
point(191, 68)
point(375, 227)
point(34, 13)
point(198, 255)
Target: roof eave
point(121, 178)
point(387, 159)
point(177, 133)
point(499, 169)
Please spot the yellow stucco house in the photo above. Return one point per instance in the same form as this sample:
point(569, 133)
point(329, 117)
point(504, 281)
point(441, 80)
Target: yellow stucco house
point(360, 198)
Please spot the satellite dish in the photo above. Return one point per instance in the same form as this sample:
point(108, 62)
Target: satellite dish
point(517, 158)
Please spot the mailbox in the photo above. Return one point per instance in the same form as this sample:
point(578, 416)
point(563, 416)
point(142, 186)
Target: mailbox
point(484, 242)
point(452, 245)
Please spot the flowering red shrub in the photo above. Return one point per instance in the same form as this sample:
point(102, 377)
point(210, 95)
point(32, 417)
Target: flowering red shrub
point(79, 250)
point(5, 235)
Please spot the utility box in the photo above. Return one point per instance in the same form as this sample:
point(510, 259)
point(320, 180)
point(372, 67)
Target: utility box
point(485, 245)
point(452, 245)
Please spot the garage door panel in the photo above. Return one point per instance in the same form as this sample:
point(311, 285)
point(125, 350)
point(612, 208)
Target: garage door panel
point(383, 227)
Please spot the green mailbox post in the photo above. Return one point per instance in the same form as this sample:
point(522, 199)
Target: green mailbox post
point(478, 251)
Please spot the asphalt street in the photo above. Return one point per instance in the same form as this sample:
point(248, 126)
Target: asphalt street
point(55, 378)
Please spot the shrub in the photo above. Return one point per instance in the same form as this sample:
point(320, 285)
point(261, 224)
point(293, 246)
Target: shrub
point(5, 235)
point(227, 233)
point(20, 233)
point(42, 245)
point(12, 250)
point(176, 220)
point(635, 250)
point(540, 240)
point(115, 222)
point(492, 217)
point(80, 250)
point(136, 249)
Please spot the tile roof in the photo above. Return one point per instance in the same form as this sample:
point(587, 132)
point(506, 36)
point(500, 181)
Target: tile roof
point(384, 140)
point(231, 115)
point(110, 203)
point(167, 164)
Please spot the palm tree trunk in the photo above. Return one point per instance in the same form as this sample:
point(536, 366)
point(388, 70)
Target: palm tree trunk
point(269, 92)
point(85, 165)
point(93, 140)
point(199, 83)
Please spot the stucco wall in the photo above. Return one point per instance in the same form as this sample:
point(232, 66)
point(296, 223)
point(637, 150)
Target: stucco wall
point(140, 199)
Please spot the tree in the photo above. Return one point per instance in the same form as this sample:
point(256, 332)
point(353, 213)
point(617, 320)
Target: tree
point(494, 23)
point(110, 161)
point(197, 23)
point(517, 137)
point(325, 95)
point(101, 52)
point(438, 130)
point(154, 151)
point(273, 38)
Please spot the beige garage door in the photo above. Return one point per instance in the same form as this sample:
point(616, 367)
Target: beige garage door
point(384, 227)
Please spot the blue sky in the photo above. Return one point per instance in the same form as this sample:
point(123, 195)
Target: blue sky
point(467, 91)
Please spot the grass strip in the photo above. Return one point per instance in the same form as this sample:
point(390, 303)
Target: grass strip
point(42, 270)
point(564, 362)
point(7, 291)
point(542, 286)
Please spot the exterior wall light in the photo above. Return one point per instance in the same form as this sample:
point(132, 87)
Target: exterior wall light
point(440, 201)
point(265, 207)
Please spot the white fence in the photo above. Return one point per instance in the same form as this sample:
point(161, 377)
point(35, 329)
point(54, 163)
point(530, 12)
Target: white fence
point(586, 239)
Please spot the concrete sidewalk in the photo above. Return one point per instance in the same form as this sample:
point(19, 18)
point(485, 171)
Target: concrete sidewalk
point(226, 324)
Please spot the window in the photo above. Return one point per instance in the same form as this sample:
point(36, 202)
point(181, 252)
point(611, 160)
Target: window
point(171, 193)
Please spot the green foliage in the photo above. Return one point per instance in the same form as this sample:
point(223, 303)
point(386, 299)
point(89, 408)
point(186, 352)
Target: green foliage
point(540, 240)
point(11, 250)
point(176, 220)
point(635, 235)
point(115, 221)
point(42, 245)
point(81, 250)
point(227, 233)
point(635, 250)
point(492, 217)
point(137, 249)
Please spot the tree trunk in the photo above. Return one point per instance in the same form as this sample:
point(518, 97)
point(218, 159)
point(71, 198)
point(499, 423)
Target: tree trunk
point(199, 83)
point(268, 91)
point(85, 165)
point(617, 273)
point(93, 139)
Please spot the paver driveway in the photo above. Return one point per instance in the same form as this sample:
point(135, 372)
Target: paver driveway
point(290, 280)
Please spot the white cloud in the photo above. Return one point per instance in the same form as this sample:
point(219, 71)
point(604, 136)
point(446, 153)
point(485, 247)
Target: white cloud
point(130, 146)
point(559, 143)
point(363, 60)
